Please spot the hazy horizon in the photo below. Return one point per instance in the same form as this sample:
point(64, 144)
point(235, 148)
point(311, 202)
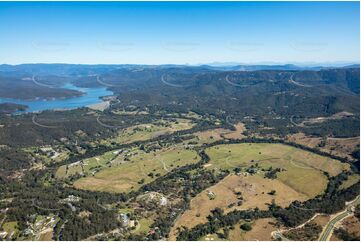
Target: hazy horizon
point(215, 63)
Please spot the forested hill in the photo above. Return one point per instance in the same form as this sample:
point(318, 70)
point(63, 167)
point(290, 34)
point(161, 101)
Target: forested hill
point(277, 100)
point(201, 88)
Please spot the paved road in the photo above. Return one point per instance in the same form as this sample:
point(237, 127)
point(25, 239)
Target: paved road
point(106, 125)
point(234, 84)
point(42, 125)
point(297, 83)
point(171, 84)
point(327, 231)
point(104, 83)
point(41, 84)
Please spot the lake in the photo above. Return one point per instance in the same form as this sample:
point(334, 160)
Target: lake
point(91, 96)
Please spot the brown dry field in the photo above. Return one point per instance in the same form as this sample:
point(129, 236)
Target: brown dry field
point(341, 147)
point(334, 238)
point(301, 138)
point(237, 134)
point(254, 192)
point(261, 230)
point(218, 134)
point(210, 135)
point(321, 219)
point(338, 147)
point(301, 166)
point(354, 178)
point(46, 235)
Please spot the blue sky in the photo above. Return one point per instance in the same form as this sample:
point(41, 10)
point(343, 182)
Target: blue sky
point(179, 33)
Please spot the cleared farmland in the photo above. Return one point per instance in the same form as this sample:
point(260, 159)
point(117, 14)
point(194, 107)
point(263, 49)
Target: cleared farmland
point(141, 168)
point(152, 130)
point(254, 191)
point(301, 178)
point(300, 167)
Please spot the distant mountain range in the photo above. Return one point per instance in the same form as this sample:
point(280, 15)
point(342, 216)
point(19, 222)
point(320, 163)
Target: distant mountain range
point(83, 69)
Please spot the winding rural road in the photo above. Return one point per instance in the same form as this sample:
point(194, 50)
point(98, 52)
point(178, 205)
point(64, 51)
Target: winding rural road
point(328, 229)
point(41, 84)
point(106, 125)
point(171, 84)
point(42, 125)
point(297, 83)
point(234, 84)
point(104, 83)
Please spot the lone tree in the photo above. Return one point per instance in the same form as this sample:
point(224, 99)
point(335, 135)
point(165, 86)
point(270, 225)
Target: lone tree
point(246, 227)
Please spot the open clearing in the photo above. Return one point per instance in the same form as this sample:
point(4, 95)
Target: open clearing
point(213, 135)
point(261, 230)
point(254, 190)
point(321, 219)
point(152, 130)
point(128, 174)
point(342, 147)
point(237, 134)
point(301, 167)
point(354, 178)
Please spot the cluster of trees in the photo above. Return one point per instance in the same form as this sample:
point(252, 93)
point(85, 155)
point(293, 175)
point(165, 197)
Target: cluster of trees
point(35, 198)
point(16, 87)
point(272, 173)
point(21, 131)
point(344, 235)
point(12, 160)
point(309, 232)
point(218, 220)
point(7, 108)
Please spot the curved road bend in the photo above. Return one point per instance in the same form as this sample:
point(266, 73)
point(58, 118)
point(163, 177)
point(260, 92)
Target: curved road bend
point(328, 229)
point(297, 83)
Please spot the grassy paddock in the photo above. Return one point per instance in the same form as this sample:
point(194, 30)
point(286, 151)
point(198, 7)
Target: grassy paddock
point(127, 176)
point(261, 231)
point(254, 191)
point(301, 167)
point(354, 178)
point(152, 130)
